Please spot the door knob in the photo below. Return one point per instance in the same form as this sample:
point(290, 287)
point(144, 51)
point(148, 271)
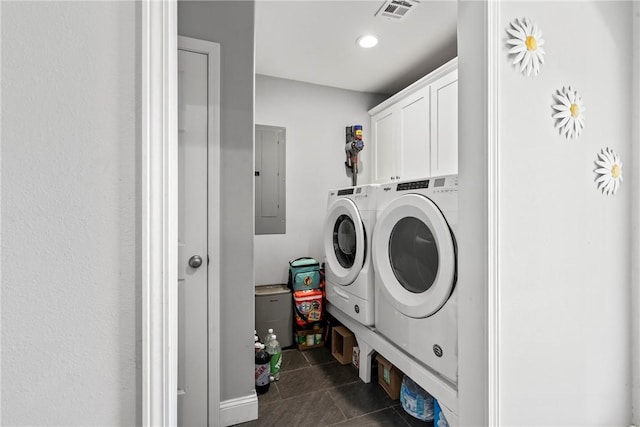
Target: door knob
point(195, 261)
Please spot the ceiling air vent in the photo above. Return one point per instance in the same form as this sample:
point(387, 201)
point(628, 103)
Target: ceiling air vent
point(396, 9)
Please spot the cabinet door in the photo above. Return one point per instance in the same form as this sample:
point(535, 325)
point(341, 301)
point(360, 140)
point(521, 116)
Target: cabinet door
point(384, 146)
point(414, 136)
point(444, 129)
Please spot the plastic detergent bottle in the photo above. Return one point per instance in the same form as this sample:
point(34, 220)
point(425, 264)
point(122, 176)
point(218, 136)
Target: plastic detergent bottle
point(267, 337)
point(262, 369)
point(275, 352)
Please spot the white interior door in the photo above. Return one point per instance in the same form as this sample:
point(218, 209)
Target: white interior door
point(192, 239)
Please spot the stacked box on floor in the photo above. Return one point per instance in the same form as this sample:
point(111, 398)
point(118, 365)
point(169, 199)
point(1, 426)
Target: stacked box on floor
point(305, 280)
point(342, 344)
point(389, 377)
point(310, 338)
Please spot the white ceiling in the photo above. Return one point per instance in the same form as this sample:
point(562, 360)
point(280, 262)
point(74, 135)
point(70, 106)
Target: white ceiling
point(315, 42)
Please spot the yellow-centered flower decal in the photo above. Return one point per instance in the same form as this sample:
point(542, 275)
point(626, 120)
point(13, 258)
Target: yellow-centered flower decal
point(569, 117)
point(526, 45)
point(609, 171)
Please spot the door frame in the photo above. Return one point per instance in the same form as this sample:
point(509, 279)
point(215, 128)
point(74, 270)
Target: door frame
point(158, 86)
point(159, 213)
point(635, 225)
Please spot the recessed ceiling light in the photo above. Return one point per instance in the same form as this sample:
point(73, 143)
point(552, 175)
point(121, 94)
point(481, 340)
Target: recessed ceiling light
point(367, 41)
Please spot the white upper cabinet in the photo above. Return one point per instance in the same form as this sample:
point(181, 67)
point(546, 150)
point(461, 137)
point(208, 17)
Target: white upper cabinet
point(385, 128)
point(444, 125)
point(400, 139)
point(414, 134)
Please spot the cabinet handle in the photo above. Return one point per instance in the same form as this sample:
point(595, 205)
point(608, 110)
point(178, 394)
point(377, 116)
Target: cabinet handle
point(397, 177)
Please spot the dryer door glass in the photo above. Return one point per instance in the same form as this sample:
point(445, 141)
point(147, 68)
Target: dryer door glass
point(413, 255)
point(344, 241)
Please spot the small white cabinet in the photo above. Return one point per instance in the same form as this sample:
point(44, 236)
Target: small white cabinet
point(400, 138)
point(414, 134)
point(444, 125)
point(384, 128)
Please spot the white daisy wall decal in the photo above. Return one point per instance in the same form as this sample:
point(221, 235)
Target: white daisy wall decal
point(569, 117)
point(526, 45)
point(609, 171)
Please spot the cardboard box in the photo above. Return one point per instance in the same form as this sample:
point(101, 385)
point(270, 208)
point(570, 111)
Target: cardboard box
point(389, 377)
point(355, 359)
point(310, 338)
point(342, 343)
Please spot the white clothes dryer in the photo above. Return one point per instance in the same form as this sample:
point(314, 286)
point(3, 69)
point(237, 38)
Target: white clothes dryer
point(415, 262)
point(349, 277)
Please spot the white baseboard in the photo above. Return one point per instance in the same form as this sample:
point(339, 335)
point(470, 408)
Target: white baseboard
point(239, 410)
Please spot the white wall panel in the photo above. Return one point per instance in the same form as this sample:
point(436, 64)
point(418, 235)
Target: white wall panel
point(565, 263)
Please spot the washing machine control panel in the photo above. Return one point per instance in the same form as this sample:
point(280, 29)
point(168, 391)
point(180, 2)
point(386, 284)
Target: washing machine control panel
point(346, 191)
point(413, 185)
point(362, 193)
point(439, 184)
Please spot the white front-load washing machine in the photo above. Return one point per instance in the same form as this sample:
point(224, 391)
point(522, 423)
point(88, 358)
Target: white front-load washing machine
point(415, 262)
point(348, 228)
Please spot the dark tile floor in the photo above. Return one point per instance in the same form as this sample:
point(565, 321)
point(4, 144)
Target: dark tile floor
point(315, 390)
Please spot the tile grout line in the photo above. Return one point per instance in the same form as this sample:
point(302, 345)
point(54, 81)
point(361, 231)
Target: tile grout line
point(400, 415)
point(328, 389)
point(336, 403)
point(377, 411)
point(314, 391)
point(294, 370)
point(325, 389)
point(392, 406)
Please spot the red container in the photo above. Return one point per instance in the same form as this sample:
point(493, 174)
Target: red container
point(308, 306)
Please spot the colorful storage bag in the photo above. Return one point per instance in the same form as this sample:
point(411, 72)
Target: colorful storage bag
point(304, 274)
point(308, 306)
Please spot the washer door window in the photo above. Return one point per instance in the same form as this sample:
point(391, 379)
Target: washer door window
point(344, 241)
point(414, 253)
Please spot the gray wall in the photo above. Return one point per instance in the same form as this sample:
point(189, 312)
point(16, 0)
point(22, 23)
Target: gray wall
point(315, 118)
point(70, 284)
point(231, 23)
